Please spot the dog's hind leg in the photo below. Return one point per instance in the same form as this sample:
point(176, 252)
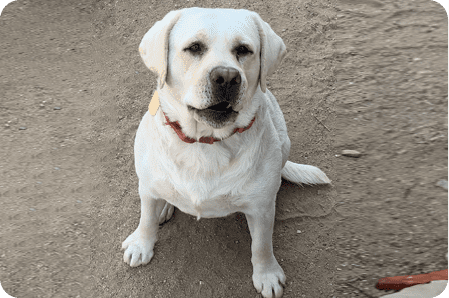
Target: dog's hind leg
point(165, 211)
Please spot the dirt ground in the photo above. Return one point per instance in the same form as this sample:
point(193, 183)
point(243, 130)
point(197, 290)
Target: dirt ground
point(391, 105)
point(360, 74)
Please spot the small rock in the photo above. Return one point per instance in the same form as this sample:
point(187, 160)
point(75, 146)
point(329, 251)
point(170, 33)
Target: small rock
point(393, 199)
point(298, 231)
point(56, 108)
point(442, 183)
point(22, 128)
point(351, 153)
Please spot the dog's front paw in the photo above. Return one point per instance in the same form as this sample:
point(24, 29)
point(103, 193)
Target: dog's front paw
point(268, 279)
point(138, 249)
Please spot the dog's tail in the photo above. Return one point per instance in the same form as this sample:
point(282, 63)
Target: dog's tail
point(300, 174)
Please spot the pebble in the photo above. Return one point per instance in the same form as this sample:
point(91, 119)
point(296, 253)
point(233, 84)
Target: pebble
point(56, 108)
point(298, 231)
point(351, 153)
point(22, 128)
point(442, 183)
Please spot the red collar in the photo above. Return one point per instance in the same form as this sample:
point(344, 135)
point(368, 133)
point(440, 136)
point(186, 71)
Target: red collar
point(207, 140)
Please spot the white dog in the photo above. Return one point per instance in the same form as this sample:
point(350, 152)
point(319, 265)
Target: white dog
point(218, 142)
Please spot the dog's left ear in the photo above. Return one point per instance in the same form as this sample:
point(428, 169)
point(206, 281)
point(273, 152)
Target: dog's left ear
point(154, 46)
point(272, 51)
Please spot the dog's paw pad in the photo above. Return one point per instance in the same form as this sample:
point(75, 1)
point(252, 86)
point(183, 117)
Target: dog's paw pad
point(269, 283)
point(138, 251)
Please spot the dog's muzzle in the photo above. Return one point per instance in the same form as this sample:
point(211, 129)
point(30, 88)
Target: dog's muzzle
point(226, 82)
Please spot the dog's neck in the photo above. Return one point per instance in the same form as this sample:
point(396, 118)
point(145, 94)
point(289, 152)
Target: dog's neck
point(153, 107)
point(206, 140)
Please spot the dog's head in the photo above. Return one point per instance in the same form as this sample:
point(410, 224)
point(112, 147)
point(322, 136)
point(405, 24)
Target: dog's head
point(210, 63)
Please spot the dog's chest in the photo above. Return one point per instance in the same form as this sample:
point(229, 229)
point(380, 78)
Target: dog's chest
point(200, 179)
point(198, 198)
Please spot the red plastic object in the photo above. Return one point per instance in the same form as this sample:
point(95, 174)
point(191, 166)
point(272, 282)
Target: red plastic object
point(401, 282)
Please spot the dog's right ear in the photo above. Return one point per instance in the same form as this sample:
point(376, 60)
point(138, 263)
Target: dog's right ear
point(154, 46)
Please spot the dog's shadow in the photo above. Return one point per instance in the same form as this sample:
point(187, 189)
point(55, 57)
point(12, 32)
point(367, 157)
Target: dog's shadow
point(201, 256)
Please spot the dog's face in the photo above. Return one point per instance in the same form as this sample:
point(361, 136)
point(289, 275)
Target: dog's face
point(214, 63)
point(210, 63)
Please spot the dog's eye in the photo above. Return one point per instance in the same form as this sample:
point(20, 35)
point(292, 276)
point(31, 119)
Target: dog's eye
point(242, 50)
point(195, 48)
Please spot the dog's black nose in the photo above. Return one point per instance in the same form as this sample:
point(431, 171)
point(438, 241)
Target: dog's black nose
point(225, 77)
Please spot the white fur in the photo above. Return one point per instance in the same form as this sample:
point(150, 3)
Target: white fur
point(243, 171)
point(303, 174)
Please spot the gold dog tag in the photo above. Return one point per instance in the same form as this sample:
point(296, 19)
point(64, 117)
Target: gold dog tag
point(154, 104)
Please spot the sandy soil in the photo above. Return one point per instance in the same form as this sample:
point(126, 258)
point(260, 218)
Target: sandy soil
point(45, 166)
point(391, 101)
point(364, 75)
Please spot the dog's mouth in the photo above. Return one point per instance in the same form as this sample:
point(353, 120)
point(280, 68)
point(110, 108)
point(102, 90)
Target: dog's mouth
point(222, 107)
point(217, 116)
